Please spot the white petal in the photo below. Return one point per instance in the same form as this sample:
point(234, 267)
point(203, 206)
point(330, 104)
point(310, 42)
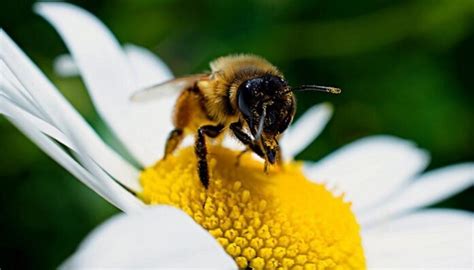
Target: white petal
point(65, 66)
point(55, 107)
point(108, 75)
point(62, 157)
point(370, 169)
point(113, 190)
point(12, 88)
point(9, 91)
point(95, 178)
point(430, 188)
point(147, 68)
point(303, 132)
point(32, 126)
point(428, 239)
point(13, 111)
point(160, 237)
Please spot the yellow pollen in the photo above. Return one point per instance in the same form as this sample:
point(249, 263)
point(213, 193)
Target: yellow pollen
point(278, 220)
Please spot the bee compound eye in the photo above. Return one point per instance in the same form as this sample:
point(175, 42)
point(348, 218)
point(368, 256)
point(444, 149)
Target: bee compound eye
point(244, 98)
point(246, 95)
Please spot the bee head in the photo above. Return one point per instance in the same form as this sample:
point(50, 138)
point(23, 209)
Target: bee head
point(268, 107)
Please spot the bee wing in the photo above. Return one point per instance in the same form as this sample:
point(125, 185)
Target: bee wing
point(167, 88)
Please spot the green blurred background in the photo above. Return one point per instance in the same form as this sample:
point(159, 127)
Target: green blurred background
point(406, 68)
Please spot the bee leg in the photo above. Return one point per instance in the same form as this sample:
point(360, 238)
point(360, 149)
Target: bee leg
point(201, 150)
point(279, 160)
point(174, 139)
point(237, 162)
point(245, 139)
point(265, 167)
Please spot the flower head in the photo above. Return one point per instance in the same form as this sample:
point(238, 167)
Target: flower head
point(379, 175)
point(262, 220)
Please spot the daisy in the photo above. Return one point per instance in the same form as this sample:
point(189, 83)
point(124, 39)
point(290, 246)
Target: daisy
point(361, 208)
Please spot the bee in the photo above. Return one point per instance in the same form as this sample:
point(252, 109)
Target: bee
point(244, 95)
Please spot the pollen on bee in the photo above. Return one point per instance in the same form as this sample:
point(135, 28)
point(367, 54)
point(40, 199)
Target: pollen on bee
point(274, 220)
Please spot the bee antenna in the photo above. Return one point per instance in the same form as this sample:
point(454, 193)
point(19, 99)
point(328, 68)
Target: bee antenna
point(260, 123)
point(326, 89)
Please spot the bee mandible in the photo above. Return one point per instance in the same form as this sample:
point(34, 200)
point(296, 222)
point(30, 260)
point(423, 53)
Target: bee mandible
point(244, 95)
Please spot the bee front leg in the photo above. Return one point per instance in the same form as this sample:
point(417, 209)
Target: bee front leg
point(237, 162)
point(239, 132)
point(201, 150)
point(174, 139)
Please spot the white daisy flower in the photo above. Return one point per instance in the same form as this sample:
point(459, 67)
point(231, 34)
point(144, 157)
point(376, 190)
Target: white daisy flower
point(258, 220)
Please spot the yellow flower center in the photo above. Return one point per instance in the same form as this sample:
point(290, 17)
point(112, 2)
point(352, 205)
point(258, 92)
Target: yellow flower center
point(274, 220)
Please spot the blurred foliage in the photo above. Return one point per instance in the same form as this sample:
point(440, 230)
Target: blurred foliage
point(406, 68)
